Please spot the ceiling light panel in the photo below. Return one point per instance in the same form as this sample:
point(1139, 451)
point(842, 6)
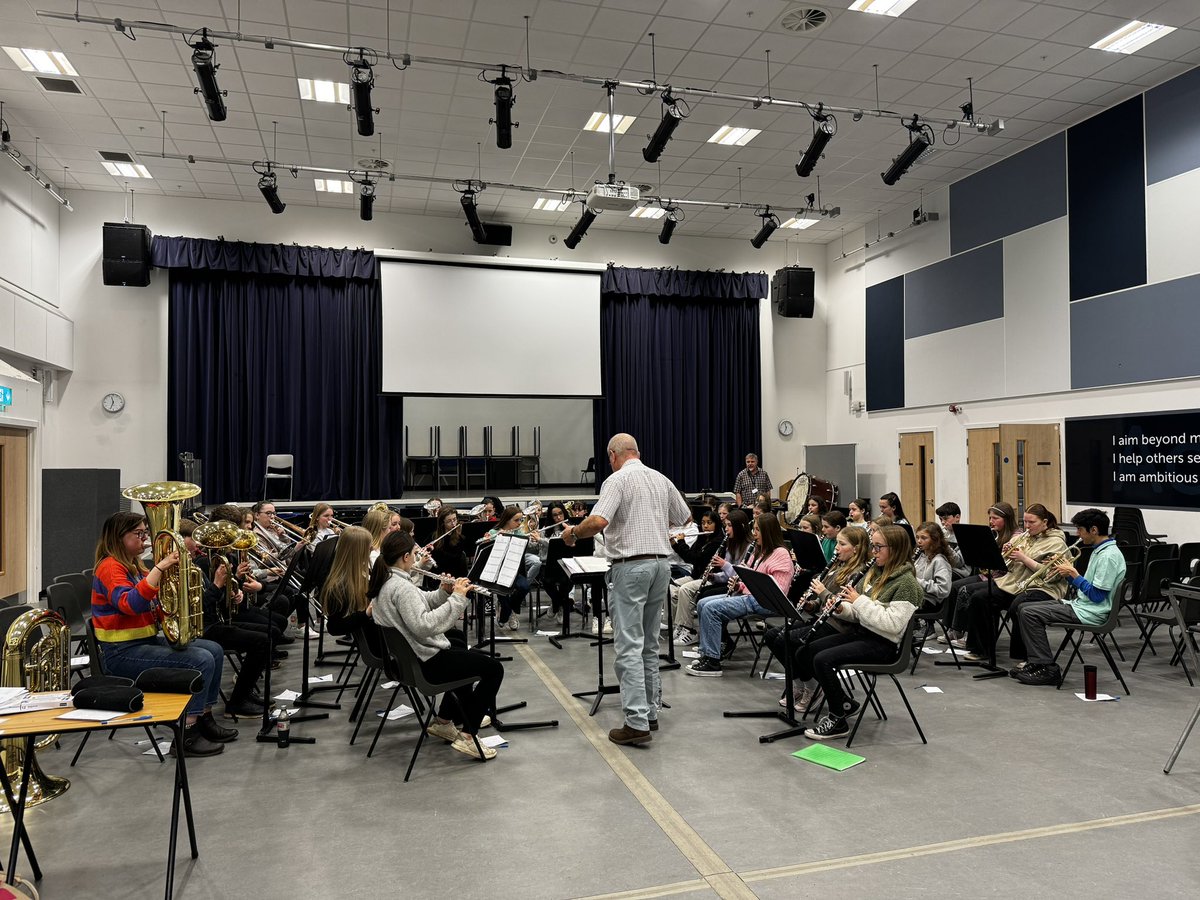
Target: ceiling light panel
point(599, 122)
point(731, 135)
point(647, 212)
point(324, 91)
point(126, 170)
point(882, 7)
point(551, 204)
point(1131, 38)
point(799, 223)
point(47, 62)
point(334, 185)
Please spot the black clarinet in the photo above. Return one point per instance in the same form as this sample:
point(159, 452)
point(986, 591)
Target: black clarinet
point(745, 560)
point(708, 573)
point(829, 607)
point(807, 595)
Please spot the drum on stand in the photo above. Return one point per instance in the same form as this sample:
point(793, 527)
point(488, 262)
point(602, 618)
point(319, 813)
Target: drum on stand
point(805, 486)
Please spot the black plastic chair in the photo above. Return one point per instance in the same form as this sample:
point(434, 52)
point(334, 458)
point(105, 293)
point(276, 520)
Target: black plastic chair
point(410, 675)
point(934, 615)
point(66, 598)
point(589, 469)
point(1076, 630)
point(97, 666)
point(870, 673)
point(1189, 560)
point(376, 668)
point(1151, 607)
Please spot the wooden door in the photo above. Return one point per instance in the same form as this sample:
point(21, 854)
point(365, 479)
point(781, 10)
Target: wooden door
point(983, 473)
point(1031, 466)
point(14, 511)
point(916, 476)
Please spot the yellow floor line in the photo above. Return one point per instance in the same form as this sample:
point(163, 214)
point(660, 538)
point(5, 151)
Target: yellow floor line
point(706, 860)
point(971, 843)
point(660, 890)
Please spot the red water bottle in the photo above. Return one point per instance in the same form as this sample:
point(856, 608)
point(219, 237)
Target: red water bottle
point(1089, 682)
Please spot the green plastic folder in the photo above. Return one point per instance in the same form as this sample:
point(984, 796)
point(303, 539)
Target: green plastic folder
point(829, 757)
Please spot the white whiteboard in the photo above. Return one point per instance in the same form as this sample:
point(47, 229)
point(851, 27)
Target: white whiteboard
point(509, 331)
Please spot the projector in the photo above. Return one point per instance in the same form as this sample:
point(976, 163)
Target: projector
point(617, 197)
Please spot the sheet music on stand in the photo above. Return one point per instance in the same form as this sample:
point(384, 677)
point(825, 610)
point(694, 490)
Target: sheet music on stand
point(585, 565)
point(504, 562)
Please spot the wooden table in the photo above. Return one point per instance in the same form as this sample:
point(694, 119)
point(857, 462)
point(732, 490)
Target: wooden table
point(159, 709)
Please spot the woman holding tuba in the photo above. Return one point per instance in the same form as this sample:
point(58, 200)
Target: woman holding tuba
point(126, 616)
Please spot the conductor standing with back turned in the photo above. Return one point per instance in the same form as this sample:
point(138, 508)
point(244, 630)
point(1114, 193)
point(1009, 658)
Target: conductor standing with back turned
point(637, 508)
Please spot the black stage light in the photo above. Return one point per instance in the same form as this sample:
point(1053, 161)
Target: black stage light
point(478, 231)
point(668, 229)
point(504, 103)
point(204, 62)
point(770, 223)
point(366, 201)
point(670, 121)
point(580, 229)
point(270, 193)
point(904, 161)
point(821, 135)
point(362, 79)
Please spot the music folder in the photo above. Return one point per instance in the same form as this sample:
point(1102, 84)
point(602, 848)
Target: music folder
point(499, 564)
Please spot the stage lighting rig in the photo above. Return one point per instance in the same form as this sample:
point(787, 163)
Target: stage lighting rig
point(585, 222)
point(471, 210)
point(366, 200)
point(674, 217)
point(920, 139)
point(674, 111)
point(504, 99)
point(270, 191)
point(362, 80)
point(769, 223)
point(204, 62)
point(824, 128)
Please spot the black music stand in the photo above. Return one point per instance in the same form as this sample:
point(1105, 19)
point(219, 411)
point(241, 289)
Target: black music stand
point(768, 595)
point(807, 547)
point(314, 578)
point(668, 659)
point(268, 734)
point(483, 605)
point(977, 544)
point(594, 581)
point(500, 587)
point(556, 551)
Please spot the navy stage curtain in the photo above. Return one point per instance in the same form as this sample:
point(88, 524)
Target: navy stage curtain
point(277, 349)
point(680, 368)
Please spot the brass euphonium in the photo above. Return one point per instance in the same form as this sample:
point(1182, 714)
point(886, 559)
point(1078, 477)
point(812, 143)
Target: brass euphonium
point(220, 535)
point(181, 594)
point(36, 662)
point(1044, 573)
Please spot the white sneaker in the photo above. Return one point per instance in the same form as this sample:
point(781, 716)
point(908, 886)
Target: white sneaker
point(310, 634)
point(513, 623)
point(607, 625)
point(466, 745)
point(595, 625)
point(687, 637)
point(485, 722)
point(444, 730)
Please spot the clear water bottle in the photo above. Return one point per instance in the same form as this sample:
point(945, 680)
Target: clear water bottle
point(283, 725)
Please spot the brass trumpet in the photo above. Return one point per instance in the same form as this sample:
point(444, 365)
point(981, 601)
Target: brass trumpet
point(1044, 574)
point(1017, 542)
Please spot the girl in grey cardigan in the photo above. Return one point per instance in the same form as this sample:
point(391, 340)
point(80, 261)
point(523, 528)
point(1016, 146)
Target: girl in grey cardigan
point(426, 619)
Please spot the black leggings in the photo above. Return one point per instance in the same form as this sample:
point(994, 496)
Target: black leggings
point(821, 658)
point(466, 705)
point(253, 644)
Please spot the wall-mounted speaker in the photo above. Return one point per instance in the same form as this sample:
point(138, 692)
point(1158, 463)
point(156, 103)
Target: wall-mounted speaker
point(792, 292)
point(126, 254)
point(497, 235)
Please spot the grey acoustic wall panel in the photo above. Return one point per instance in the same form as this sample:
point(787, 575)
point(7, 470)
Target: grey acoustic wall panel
point(1172, 127)
point(961, 290)
point(885, 344)
point(1146, 333)
point(1025, 190)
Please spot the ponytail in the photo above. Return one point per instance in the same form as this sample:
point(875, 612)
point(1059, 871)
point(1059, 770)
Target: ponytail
point(391, 551)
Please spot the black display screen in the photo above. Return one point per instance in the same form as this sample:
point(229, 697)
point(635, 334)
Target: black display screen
point(1141, 459)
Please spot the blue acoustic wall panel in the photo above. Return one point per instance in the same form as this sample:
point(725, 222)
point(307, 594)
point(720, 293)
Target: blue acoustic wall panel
point(885, 344)
point(958, 291)
point(1143, 334)
point(1025, 190)
point(1107, 201)
point(1172, 127)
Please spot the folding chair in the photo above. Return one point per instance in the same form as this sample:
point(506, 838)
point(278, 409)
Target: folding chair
point(870, 673)
point(1075, 631)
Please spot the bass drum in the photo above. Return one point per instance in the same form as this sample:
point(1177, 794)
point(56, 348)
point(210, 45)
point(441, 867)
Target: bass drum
point(806, 486)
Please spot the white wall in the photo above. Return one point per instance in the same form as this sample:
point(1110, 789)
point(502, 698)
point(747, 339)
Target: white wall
point(122, 331)
point(876, 433)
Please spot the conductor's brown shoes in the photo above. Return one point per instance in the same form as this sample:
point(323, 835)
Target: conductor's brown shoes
point(627, 735)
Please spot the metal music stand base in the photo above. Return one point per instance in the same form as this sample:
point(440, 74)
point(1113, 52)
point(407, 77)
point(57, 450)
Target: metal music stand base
point(668, 659)
point(566, 633)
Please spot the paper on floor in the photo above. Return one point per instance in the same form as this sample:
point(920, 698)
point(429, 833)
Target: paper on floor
point(399, 712)
point(287, 696)
point(1095, 699)
point(388, 685)
point(164, 747)
point(320, 679)
point(494, 740)
point(930, 689)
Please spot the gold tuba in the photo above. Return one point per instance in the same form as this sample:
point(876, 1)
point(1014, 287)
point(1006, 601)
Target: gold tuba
point(37, 663)
point(181, 594)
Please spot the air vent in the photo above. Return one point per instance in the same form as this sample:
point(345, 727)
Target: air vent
point(374, 165)
point(803, 20)
point(115, 156)
point(58, 85)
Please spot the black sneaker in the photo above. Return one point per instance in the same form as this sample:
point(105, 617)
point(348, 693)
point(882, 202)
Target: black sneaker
point(727, 649)
point(242, 709)
point(214, 730)
point(828, 729)
point(1035, 674)
point(705, 666)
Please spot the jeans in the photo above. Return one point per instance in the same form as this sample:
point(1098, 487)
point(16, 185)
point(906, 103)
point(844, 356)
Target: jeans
point(128, 659)
point(714, 612)
point(637, 590)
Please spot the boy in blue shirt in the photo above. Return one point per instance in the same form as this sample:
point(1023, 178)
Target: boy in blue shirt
point(1088, 603)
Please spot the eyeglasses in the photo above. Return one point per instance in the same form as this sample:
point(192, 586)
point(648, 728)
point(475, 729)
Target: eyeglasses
point(141, 533)
point(875, 548)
